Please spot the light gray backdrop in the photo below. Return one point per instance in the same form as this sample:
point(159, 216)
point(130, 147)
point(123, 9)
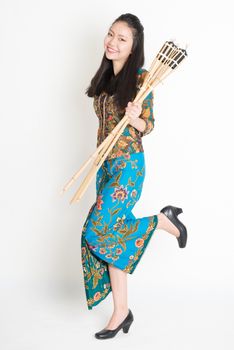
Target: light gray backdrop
point(181, 298)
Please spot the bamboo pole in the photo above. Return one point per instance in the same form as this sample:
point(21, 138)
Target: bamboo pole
point(106, 150)
point(167, 60)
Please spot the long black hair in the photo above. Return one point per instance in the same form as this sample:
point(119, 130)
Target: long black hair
point(124, 85)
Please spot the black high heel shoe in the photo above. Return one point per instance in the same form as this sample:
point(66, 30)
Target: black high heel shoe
point(110, 333)
point(172, 213)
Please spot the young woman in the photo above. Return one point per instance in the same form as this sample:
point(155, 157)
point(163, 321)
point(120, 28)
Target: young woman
point(113, 239)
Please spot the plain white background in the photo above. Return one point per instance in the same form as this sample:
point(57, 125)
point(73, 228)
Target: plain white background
point(180, 298)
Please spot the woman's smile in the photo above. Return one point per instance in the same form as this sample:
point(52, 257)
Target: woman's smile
point(109, 49)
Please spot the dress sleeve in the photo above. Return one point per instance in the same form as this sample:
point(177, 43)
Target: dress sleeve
point(147, 114)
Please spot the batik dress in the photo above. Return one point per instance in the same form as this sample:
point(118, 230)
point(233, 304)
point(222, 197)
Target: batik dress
point(111, 233)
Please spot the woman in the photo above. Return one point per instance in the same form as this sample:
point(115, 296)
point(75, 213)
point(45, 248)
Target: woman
point(113, 239)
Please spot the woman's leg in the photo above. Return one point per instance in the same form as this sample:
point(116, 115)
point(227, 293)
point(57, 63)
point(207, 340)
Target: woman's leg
point(165, 224)
point(119, 291)
point(119, 279)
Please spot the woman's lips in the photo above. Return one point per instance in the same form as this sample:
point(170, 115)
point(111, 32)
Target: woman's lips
point(111, 50)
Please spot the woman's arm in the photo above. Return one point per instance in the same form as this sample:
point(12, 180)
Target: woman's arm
point(142, 120)
point(138, 123)
point(147, 114)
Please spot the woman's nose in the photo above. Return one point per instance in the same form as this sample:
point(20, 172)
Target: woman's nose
point(113, 42)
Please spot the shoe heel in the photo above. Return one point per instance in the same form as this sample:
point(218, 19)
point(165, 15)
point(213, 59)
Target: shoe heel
point(126, 328)
point(178, 210)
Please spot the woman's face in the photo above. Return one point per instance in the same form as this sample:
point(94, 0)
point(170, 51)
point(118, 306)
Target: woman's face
point(118, 42)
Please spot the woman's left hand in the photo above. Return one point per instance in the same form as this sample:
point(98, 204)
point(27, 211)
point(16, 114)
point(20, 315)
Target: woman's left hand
point(133, 109)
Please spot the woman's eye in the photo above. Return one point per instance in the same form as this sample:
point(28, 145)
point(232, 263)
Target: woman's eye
point(111, 35)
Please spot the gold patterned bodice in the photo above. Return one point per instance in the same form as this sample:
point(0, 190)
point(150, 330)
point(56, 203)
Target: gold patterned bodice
point(109, 116)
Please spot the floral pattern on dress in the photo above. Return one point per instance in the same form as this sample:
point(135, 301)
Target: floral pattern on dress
point(111, 233)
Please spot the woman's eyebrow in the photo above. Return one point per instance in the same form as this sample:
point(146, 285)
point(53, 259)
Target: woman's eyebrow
point(119, 34)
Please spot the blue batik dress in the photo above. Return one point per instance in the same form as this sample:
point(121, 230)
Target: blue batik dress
point(111, 233)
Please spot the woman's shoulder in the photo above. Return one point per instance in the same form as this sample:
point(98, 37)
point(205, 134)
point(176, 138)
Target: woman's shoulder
point(141, 73)
point(96, 97)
